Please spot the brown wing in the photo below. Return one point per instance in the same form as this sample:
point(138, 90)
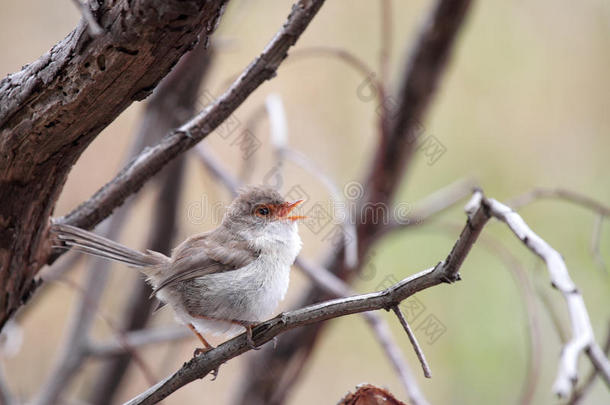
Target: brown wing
point(213, 252)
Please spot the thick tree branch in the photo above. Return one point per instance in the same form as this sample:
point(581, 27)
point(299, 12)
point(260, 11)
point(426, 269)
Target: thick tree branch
point(53, 108)
point(143, 167)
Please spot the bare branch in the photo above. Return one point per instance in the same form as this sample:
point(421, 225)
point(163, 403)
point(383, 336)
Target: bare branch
point(575, 198)
point(596, 241)
point(386, 41)
point(582, 332)
point(143, 167)
point(563, 194)
point(418, 350)
point(433, 204)
point(347, 57)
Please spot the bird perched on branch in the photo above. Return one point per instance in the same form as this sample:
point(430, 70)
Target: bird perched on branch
point(220, 281)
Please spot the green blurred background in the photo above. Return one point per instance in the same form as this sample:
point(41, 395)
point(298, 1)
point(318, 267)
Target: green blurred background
point(524, 103)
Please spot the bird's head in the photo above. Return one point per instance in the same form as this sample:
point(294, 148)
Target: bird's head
point(261, 210)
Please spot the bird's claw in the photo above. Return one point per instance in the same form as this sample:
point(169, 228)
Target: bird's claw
point(200, 350)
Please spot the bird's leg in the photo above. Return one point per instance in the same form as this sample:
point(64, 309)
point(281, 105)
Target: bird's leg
point(206, 347)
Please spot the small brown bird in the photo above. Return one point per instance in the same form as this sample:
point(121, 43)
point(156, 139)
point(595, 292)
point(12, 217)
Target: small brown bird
point(219, 281)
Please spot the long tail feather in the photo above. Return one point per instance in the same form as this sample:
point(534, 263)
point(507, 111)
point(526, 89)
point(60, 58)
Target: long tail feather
point(99, 246)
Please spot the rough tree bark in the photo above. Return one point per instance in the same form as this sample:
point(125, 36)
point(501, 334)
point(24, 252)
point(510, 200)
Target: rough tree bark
point(54, 107)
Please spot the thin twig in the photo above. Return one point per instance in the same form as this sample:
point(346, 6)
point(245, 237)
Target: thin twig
point(431, 205)
point(576, 198)
point(418, 350)
point(385, 53)
point(92, 25)
point(137, 339)
point(347, 57)
point(596, 242)
point(563, 194)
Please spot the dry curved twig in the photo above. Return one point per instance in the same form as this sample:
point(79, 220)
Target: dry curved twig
point(582, 333)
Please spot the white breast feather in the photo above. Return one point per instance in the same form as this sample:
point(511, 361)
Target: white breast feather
point(264, 282)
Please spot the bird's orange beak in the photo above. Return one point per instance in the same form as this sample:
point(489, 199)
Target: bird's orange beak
point(285, 208)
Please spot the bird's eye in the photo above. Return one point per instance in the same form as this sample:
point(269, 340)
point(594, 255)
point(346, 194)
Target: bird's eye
point(262, 211)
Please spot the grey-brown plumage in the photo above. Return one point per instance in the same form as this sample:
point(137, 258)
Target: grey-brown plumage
point(219, 281)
